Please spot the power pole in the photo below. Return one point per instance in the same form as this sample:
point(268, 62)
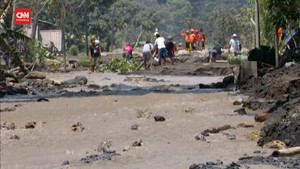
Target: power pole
point(86, 29)
point(257, 25)
point(13, 15)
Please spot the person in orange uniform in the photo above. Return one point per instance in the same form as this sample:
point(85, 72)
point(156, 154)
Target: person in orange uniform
point(192, 39)
point(186, 36)
point(280, 34)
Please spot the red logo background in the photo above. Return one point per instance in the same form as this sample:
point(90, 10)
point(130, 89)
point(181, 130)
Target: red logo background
point(22, 16)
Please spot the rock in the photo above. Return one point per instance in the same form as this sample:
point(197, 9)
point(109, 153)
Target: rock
point(126, 148)
point(30, 125)
point(261, 117)
point(81, 79)
point(67, 162)
point(35, 75)
point(237, 103)
point(16, 90)
point(94, 86)
point(48, 81)
point(159, 118)
point(21, 85)
point(78, 80)
point(104, 146)
point(135, 127)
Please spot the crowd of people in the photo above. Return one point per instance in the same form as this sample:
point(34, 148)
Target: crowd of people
point(163, 50)
point(194, 39)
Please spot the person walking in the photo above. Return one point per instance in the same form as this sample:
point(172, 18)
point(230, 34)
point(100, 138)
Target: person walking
point(95, 53)
point(160, 47)
point(147, 53)
point(234, 45)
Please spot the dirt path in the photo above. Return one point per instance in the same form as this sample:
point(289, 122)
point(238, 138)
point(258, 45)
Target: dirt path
point(165, 145)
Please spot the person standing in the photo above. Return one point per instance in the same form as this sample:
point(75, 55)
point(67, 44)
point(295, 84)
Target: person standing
point(160, 51)
point(170, 46)
point(147, 52)
point(197, 39)
point(95, 53)
point(127, 51)
point(192, 39)
point(234, 45)
point(202, 38)
point(186, 36)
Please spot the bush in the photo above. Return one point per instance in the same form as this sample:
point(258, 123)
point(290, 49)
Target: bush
point(119, 66)
point(84, 61)
point(74, 50)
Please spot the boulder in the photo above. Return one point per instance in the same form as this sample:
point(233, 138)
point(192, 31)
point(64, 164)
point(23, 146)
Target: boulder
point(78, 80)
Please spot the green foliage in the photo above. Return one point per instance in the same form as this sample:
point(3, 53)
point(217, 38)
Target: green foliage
point(236, 60)
point(119, 65)
point(74, 50)
point(84, 61)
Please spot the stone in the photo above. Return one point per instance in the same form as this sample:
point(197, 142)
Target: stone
point(159, 118)
point(261, 117)
point(135, 127)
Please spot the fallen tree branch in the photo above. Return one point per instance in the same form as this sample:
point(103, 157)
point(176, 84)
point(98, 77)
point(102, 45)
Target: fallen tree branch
point(287, 152)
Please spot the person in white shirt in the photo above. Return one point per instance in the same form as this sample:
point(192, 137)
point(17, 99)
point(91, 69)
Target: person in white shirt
point(160, 48)
point(234, 45)
point(147, 52)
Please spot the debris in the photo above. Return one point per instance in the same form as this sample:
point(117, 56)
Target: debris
point(104, 146)
point(8, 109)
point(134, 127)
point(137, 143)
point(276, 144)
point(126, 148)
point(67, 162)
point(105, 155)
point(237, 103)
point(287, 151)
point(30, 125)
point(143, 113)
point(8, 125)
point(241, 111)
point(244, 125)
point(217, 130)
point(77, 127)
point(14, 137)
point(42, 99)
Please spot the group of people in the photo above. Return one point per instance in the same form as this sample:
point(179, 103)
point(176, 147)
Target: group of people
point(162, 48)
point(194, 39)
point(165, 49)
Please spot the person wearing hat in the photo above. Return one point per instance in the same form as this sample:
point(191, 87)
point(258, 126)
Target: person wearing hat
point(160, 51)
point(186, 36)
point(170, 46)
point(147, 53)
point(234, 45)
point(95, 53)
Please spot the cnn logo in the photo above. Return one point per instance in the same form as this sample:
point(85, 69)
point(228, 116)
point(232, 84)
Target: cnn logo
point(22, 16)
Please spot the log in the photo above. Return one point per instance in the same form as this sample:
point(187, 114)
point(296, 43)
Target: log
point(286, 152)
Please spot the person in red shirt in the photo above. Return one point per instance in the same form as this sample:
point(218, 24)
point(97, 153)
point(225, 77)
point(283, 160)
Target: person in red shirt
point(197, 39)
point(202, 39)
point(192, 39)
